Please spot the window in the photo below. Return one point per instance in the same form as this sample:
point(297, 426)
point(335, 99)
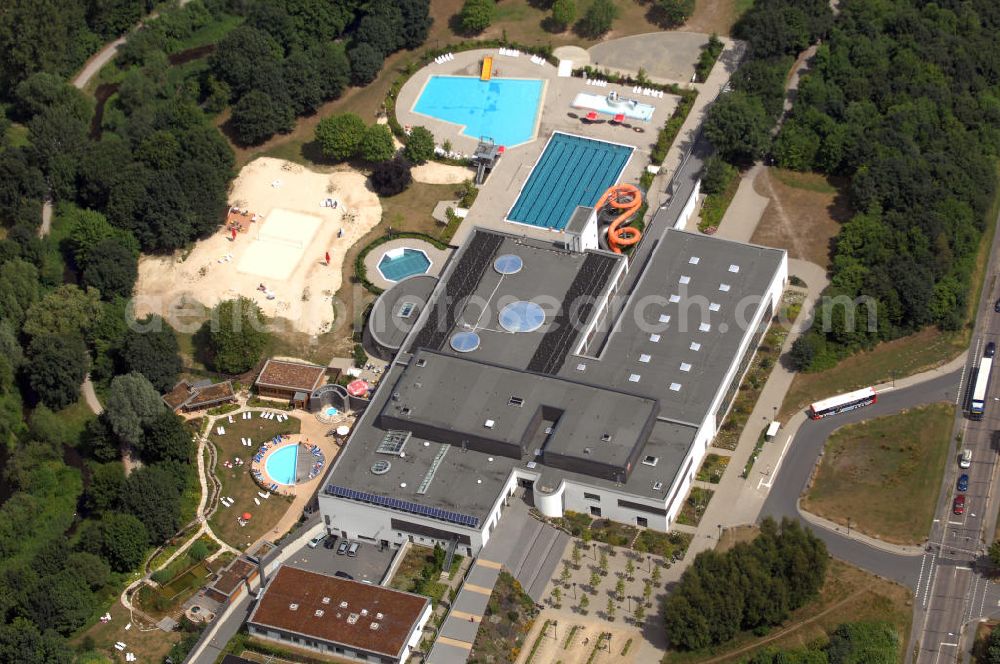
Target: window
point(695, 346)
point(515, 401)
point(422, 362)
point(595, 510)
point(407, 309)
point(685, 366)
point(645, 358)
point(606, 437)
point(634, 378)
point(655, 338)
point(675, 298)
point(685, 279)
point(641, 521)
point(724, 288)
point(650, 460)
point(694, 260)
point(592, 496)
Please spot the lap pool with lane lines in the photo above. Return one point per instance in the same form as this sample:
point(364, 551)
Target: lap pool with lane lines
point(572, 171)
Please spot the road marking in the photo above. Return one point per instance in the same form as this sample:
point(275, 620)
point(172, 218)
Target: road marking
point(931, 579)
point(952, 645)
point(972, 600)
point(774, 473)
point(956, 523)
point(963, 567)
point(923, 563)
point(454, 642)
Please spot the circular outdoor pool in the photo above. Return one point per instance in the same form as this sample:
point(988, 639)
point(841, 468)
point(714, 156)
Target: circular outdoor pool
point(281, 464)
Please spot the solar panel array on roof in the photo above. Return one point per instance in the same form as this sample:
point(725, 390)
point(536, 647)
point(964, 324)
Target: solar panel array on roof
point(404, 506)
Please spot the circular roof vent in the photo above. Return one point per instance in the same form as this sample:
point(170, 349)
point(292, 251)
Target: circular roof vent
point(522, 316)
point(464, 342)
point(508, 264)
point(381, 467)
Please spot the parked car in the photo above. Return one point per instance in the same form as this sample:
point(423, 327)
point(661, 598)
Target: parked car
point(996, 307)
point(342, 549)
point(965, 461)
point(352, 551)
point(991, 349)
point(963, 482)
point(343, 575)
point(330, 542)
point(316, 541)
point(958, 507)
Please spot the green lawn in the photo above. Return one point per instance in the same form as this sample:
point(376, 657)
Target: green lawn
point(237, 482)
point(884, 474)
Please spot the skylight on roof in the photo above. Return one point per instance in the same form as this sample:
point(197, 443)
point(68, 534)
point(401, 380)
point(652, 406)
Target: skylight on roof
point(634, 378)
point(724, 288)
point(685, 279)
point(714, 306)
point(734, 268)
point(645, 357)
point(694, 260)
point(685, 366)
point(581, 367)
point(704, 327)
point(695, 346)
point(675, 387)
point(655, 338)
point(664, 318)
point(675, 298)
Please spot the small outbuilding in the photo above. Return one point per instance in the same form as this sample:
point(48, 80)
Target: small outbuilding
point(291, 380)
point(189, 397)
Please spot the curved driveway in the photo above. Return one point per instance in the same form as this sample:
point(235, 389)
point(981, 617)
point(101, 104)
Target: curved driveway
point(801, 458)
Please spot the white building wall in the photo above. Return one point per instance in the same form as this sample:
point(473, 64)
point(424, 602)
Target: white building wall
point(689, 207)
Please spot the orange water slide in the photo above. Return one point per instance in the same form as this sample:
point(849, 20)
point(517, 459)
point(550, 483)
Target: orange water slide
point(487, 72)
point(627, 199)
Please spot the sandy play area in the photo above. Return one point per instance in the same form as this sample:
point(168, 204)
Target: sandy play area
point(278, 255)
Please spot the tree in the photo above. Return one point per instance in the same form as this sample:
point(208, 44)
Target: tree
point(864, 643)
point(416, 22)
point(44, 90)
point(995, 552)
point(575, 556)
point(738, 127)
point(339, 136)
point(56, 369)
point(419, 145)
point(640, 613)
point(153, 496)
point(610, 609)
point(655, 576)
point(111, 269)
point(584, 603)
point(629, 568)
point(391, 177)
point(377, 144)
point(94, 570)
point(21, 641)
point(476, 15)
point(150, 347)
point(67, 311)
point(242, 56)
point(672, 13)
point(258, 116)
point(716, 175)
point(61, 601)
point(802, 353)
point(166, 438)
point(124, 540)
point(199, 550)
point(620, 589)
point(597, 19)
point(19, 289)
point(237, 335)
point(366, 63)
point(603, 563)
point(58, 139)
point(563, 14)
point(993, 647)
point(104, 491)
point(565, 575)
point(132, 405)
point(89, 228)
point(595, 580)
point(381, 27)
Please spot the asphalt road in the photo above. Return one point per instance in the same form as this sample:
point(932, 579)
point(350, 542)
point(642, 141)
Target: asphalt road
point(802, 455)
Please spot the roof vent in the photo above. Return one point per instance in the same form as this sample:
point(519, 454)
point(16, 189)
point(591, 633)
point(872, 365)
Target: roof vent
point(645, 357)
point(490, 459)
point(364, 612)
point(664, 318)
point(655, 338)
point(531, 464)
point(515, 401)
point(650, 460)
point(319, 613)
point(634, 378)
point(326, 600)
point(581, 367)
point(714, 306)
point(685, 279)
point(379, 616)
point(489, 424)
point(402, 485)
point(606, 437)
point(586, 450)
point(395, 396)
point(657, 485)
point(675, 298)
point(685, 366)
point(675, 387)
point(352, 619)
point(293, 607)
point(734, 268)
point(695, 346)
point(694, 260)
point(343, 605)
point(373, 626)
point(724, 288)
point(421, 362)
point(705, 327)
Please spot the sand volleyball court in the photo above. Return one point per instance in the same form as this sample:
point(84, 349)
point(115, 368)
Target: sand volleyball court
point(284, 220)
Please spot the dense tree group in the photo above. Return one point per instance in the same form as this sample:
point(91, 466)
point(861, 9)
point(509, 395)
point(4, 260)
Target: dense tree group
point(850, 643)
point(752, 586)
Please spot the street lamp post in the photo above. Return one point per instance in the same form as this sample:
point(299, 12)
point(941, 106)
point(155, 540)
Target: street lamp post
point(720, 532)
point(555, 629)
point(595, 550)
point(574, 590)
point(649, 563)
point(848, 526)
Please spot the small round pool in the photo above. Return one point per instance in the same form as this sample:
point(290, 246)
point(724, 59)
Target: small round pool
point(330, 411)
point(398, 264)
point(281, 464)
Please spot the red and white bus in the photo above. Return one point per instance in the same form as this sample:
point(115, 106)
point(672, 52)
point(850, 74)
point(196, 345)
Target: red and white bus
point(843, 403)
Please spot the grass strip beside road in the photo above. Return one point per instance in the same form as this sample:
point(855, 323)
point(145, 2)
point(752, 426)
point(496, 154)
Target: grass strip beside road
point(884, 474)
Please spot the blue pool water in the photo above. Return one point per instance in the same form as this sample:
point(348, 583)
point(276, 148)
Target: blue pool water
point(281, 464)
point(503, 109)
point(398, 264)
point(330, 410)
point(572, 171)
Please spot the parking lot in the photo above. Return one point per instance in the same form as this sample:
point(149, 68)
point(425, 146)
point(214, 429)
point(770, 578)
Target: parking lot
point(369, 565)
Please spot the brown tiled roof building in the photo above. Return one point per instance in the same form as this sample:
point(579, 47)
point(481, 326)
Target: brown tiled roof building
point(285, 379)
point(339, 617)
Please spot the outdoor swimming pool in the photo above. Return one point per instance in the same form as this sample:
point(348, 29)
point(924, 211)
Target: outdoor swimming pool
point(281, 464)
point(572, 171)
point(398, 264)
point(504, 109)
point(330, 411)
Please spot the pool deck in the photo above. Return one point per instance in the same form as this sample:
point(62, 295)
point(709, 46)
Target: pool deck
point(497, 196)
point(437, 256)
